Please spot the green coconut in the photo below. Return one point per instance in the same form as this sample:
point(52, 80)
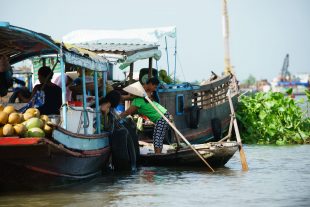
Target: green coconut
point(35, 132)
point(34, 122)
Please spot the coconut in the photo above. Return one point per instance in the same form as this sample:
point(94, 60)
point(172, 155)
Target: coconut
point(14, 118)
point(35, 132)
point(27, 116)
point(34, 111)
point(20, 129)
point(9, 109)
point(8, 130)
point(44, 118)
point(47, 129)
point(34, 123)
point(50, 123)
point(3, 117)
point(21, 117)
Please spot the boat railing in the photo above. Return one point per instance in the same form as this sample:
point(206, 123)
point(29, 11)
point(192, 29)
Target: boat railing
point(213, 94)
point(177, 87)
point(212, 97)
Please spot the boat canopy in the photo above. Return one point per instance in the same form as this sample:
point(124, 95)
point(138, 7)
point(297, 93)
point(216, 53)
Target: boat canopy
point(20, 44)
point(123, 53)
point(123, 46)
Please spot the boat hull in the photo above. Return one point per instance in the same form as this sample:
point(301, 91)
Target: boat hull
point(216, 154)
point(48, 164)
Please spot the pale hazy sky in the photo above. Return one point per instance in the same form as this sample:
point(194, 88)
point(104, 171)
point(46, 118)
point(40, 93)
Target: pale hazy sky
point(262, 32)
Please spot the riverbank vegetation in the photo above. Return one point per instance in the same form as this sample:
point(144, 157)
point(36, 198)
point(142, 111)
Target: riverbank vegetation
point(273, 118)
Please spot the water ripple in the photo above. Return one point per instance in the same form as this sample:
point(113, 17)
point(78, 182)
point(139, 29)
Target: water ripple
point(277, 176)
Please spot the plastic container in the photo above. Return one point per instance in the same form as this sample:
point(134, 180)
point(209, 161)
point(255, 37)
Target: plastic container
point(54, 118)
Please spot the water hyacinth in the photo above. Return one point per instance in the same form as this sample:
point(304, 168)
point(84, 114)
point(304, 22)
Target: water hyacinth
point(272, 118)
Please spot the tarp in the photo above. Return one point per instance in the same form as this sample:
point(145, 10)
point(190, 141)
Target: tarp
point(146, 35)
point(151, 36)
point(20, 44)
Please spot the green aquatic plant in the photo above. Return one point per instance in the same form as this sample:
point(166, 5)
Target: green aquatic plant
point(289, 91)
point(307, 92)
point(272, 118)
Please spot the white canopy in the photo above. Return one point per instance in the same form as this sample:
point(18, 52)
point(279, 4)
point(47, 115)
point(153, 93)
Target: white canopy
point(122, 40)
point(149, 35)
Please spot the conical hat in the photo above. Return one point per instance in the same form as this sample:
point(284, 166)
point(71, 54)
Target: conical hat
point(135, 89)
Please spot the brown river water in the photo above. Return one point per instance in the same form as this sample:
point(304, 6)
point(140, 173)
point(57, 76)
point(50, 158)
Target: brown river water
point(277, 176)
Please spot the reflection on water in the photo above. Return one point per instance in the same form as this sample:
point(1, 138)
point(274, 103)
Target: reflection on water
point(278, 176)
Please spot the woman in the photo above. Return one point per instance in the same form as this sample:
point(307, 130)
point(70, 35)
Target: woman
point(143, 107)
point(52, 92)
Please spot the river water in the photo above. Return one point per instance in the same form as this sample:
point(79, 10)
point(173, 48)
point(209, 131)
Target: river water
point(277, 176)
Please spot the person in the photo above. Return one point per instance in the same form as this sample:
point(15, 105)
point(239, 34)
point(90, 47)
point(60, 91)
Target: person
point(77, 87)
point(150, 88)
point(52, 92)
point(143, 107)
point(6, 75)
point(69, 81)
point(111, 100)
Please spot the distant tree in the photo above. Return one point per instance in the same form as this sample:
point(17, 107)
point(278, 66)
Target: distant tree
point(250, 80)
point(195, 82)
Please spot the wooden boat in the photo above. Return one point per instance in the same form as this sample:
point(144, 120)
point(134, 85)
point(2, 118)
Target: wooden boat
point(201, 112)
point(217, 154)
point(66, 153)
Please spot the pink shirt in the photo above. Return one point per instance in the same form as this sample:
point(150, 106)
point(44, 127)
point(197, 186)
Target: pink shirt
point(57, 80)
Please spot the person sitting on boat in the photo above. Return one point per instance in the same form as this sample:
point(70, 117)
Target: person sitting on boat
point(77, 87)
point(143, 107)
point(6, 75)
point(52, 92)
point(70, 77)
point(111, 100)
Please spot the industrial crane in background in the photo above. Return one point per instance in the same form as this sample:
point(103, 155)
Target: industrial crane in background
point(286, 81)
point(285, 74)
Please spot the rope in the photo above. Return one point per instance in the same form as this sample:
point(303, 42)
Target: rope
point(179, 61)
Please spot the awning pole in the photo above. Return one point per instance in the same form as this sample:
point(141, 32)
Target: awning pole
point(84, 101)
point(63, 87)
point(167, 55)
point(98, 124)
point(175, 58)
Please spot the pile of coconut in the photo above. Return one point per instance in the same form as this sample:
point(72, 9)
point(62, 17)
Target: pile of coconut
point(28, 124)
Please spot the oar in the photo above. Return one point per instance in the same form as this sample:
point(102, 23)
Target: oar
point(241, 151)
point(138, 90)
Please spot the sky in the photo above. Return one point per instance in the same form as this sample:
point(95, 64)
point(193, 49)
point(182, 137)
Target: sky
point(262, 32)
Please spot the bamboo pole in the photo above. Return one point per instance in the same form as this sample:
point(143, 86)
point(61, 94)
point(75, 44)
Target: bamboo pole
point(241, 151)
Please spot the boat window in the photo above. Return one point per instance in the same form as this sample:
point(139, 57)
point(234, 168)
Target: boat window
point(179, 104)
